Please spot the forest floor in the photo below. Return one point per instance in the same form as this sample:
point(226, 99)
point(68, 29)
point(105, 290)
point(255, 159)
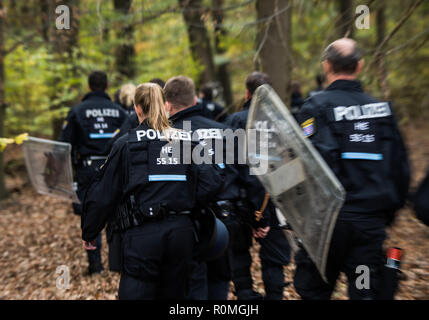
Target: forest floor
point(39, 234)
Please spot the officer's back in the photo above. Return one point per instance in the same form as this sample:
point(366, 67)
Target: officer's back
point(93, 122)
point(204, 129)
point(358, 137)
point(238, 120)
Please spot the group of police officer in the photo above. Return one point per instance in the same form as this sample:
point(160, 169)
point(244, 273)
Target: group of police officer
point(156, 212)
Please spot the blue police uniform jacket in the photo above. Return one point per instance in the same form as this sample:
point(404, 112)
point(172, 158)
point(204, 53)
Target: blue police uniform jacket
point(91, 124)
point(238, 120)
point(145, 166)
point(206, 130)
point(358, 137)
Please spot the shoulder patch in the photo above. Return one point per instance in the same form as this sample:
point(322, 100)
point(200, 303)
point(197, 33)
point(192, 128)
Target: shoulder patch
point(65, 124)
point(116, 132)
point(308, 127)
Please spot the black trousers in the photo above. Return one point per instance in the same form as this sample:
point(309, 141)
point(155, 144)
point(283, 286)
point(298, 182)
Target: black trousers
point(210, 279)
point(357, 240)
point(114, 241)
point(274, 254)
point(241, 261)
point(157, 259)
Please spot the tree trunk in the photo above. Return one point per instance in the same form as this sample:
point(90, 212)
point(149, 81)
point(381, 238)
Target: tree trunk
point(64, 41)
point(381, 63)
point(125, 51)
point(274, 55)
point(222, 70)
point(3, 191)
point(346, 20)
point(199, 40)
point(45, 17)
point(63, 44)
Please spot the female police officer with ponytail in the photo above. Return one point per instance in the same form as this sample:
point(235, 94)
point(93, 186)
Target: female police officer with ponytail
point(147, 189)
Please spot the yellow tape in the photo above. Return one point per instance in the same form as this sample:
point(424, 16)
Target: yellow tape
point(19, 139)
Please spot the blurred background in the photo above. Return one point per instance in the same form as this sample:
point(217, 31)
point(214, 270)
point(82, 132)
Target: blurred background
point(218, 41)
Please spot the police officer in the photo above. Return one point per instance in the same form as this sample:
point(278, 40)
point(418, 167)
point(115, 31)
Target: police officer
point(126, 98)
point(275, 250)
point(88, 128)
point(209, 108)
point(211, 278)
point(358, 137)
point(127, 93)
point(148, 189)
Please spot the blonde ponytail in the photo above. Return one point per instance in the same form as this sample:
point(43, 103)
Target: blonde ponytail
point(150, 98)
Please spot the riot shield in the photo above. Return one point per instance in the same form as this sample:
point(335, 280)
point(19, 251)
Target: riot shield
point(298, 180)
point(49, 167)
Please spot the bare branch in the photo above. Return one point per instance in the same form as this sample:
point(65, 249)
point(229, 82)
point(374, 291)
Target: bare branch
point(406, 43)
point(401, 22)
point(20, 42)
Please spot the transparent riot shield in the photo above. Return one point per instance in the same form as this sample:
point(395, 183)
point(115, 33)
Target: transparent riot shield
point(49, 167)
point(298, 180)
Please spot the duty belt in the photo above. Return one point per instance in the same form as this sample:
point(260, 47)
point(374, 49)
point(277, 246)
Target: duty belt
point(172, 213)
point(129, 216)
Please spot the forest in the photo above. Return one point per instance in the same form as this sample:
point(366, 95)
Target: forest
point(43, 69)
point(49, 47)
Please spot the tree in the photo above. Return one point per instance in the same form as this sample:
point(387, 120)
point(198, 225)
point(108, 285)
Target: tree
point(344, 25)
point(63, 44)
point(413, 6)
point(222, 70)
point(199, 40)
point(381, 66)
point(273, 54)
point(45, 13)
point(124, 51)
point(64, 41)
